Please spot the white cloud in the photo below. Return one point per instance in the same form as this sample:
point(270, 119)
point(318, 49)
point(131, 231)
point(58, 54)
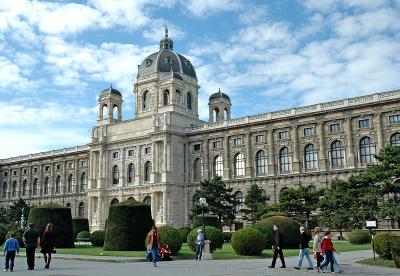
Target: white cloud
point(209, 7)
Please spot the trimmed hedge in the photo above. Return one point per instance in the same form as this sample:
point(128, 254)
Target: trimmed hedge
point(184, 231)
point(228, 236)
point(171, 236)
point(3, 232)
point(358, 236)
point(381, 242)
point(213, 234)
point(19, 233)
point(97, 238)
point(209, 220)
point(248, 242)
point(83, 235)
point(288, 227)
point(79, 225)
point(273, 214)
point(127, 226)
point(60, 217)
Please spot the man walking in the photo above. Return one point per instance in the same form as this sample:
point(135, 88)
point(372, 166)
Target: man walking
point(277, 247)
point(303, 251)
point(31, 241)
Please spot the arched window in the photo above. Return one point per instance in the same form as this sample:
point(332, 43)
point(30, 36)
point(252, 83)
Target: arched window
point(166, 97)
point(114, 201)
point(14, 189)
point(46, 185)
point(115, 111)
point(218, 166)
point(24, 187)
point(104, 111)
point(147, 171)
point(71, 181)
point(239, 204)
point(4, 190)
point(189, 101)
point(147, 200)
point(131, 173)
point(367, 150)
point(83, 182)
point(196, 200)
point(239, 164)
point(216, 114)
point(81, 210)
point(58, 184)
point(197, 170)
point(115, 175)
point(311, 188)
point(145, 100)
point(178, 97)
point(34, 186)
point(261, 162)
point(310, 155)
point(68, 205)
point(337, 154)
point(395, 140)
point(285, 159)
point(130, 198)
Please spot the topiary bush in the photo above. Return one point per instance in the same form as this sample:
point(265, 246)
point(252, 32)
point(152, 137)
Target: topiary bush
point(127, 226)
point(358, 236)
point(97, 238)
point(83, 235)
point(209, 220)
point(273, 214)
point(227, 236)
point(381, 243)
point(287, 226)
point(184, 231)
point(19, 233)
point(79, 225)
point(396, 251)
point(60, 217)
point(171, 236)
point(248, 241)
point(214, 235)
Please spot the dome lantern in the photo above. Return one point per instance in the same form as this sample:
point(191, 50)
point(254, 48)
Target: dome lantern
point(166, 43)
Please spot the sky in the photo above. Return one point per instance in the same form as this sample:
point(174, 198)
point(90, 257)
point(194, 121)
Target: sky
point(57, 56)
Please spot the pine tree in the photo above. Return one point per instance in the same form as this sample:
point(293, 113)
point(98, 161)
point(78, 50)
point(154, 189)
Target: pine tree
point(255, 204)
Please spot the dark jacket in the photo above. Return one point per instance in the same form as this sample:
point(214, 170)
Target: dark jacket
point(277, 239)
point(303, 240)
point(48, 242)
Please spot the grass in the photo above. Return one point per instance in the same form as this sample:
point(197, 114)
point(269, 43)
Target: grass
point(378, 262)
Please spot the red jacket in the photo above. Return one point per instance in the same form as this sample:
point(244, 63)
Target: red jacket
point(327, 245)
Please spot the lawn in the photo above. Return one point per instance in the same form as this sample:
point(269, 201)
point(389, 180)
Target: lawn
point(378, 262)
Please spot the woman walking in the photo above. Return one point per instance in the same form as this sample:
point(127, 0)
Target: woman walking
point(47, 243)
point(153, 238)
point(317, 247)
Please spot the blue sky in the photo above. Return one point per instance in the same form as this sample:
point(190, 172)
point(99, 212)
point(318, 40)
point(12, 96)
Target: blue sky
point(57, 56)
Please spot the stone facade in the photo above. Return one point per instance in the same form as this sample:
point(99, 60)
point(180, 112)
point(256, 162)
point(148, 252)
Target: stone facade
point(161, 155)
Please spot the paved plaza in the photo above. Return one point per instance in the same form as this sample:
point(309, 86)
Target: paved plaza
point(256, 267)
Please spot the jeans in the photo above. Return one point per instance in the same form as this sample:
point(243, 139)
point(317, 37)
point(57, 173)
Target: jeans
point(199, 251)
point(10, 256)
point(30, 257)
point(328, 259)
point(154, 253)
point(304, 252)
point(335, 263)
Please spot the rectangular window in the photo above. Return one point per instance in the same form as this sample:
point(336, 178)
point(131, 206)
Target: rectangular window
point(259, 138)
point(237, 141)
point(364, 123)
point(5, 174)
point(35, 170)
point(14, 172)
point(47, 168)
point(283, 135)
point(217, 144)
point(115, 154)
point(131, 152)
point(70, 165)
point(334, 127)
point(25, 171)
point(58, 166)
point(394, 119)
point(83, 163)
point(147, 150)
point(308, 131)
point(196, 147)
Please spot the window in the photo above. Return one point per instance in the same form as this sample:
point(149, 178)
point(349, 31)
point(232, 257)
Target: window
point(239, 201)
point(367, 150)
point(261, 162)
point(58, 184)
point(46, 185)
point(166, 97)
point(283, 135)
point(115, 154)
point(147, 150)
point(311, 189)
point(71, 181)
point(83, 163)
point(364, 123)
point(337, 154)
point(168, 60)
point(196, 147)
point(147, 171)
point(47, 168)
point(394, 119)
point(24, 187)
point(131, 152)
point(25, 171)
point(131, 173)
point(239, 165)
point(83, 186)
point(35, 170)
point(237, 141)
point(14, 172)
point(70, 165)
point(81, 210)
point(5, 174)
point(310, 154)
point(197, 169)
point(115, 175)
point(217, 144)
point(114, 201)
point(334, 127)
point(259, 138)
point(147, 200)
point(285, 159)
point(4, 190)
point(189, 101)
point(34, 187)
point(145, 100)
point(58, 167)
point(148, 61)
point(218, 166)
point(68, 205)
point(14, 189)
point(308, 131)
point(178, 97)
point(395, 140)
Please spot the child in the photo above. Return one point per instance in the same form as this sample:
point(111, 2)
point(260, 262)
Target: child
point(327, 250)
point(11, 247)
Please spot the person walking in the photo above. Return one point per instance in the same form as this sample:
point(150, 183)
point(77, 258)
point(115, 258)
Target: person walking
point(47, 243)
point(31, 241)
point(200, 241)
point(327, 249)
point(304, 250)
point(317, 242)
point(277, 247)
point(153, 246)
point(11, 248)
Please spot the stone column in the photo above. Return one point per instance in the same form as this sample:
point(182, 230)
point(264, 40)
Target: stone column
point(165, 207)
point(295, 150)
point(350, 146)
point(271, 155)
point(249, 159)
point(123, 170)
point(153, 206)
point(227, 169)
point(378, 126)
point(139, 166)
point(206, 165)
point(321, 153)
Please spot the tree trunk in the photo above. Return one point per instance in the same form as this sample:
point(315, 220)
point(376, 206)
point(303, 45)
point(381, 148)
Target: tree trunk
point(341, 232)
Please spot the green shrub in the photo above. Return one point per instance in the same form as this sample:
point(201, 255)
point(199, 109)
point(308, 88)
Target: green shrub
point(184, 231)
point(83, 235)
point(79, 225)
point(396, 251)
point(97, 238)
point(60, 217)
point(214, 235)
point(359, 237)
point(381, 243)
point(227, 236)
point(288, 227)
point(209, 220)
point(19, 233)
point(171, 236)
point(127, 226)
point(3, 232)
point(273, 214)
point(248, 241)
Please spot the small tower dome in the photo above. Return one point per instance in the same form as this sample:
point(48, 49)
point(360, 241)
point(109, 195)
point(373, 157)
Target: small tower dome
point(110, 106)
point(219, 105)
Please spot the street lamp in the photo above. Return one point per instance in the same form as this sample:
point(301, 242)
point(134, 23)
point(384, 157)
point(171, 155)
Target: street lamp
point(203, 204)
point(23, 218)
point(389, 219)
